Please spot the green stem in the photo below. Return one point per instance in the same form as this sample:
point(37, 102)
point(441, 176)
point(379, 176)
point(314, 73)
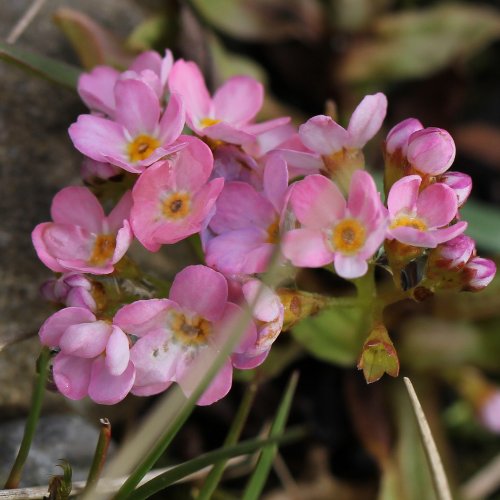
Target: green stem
point(29, 429)
point(232, 437)
point(100, 454)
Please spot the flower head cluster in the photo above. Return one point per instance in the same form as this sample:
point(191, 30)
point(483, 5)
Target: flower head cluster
point(232, 181)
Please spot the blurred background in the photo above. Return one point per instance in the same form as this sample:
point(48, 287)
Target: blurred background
point(436, 61)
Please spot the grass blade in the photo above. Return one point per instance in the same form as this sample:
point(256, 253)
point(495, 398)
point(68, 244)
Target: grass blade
point(258, 479)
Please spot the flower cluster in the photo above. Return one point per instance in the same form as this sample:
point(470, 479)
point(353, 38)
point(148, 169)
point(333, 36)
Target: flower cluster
point(201, 164)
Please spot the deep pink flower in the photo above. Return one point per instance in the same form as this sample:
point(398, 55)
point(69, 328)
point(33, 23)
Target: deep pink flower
point(453, 254)
point(227, 116)
point(174, 199)
point(347, 234)
point(422, 219)
point(174, 333)
point(460, 183)
point(431, 151)
point(94, 357)
point(139, 134)
point(96, 88)
point(82, 238)
point(246, 224)
point(478, 273)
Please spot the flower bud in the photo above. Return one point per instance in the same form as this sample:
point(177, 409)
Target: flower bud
point(478, 274)
point(453, 254)
point(397, 138)
point(431, 151)
point(71, 289)
point(489, 412)
point(93, 171)
point(460, 183)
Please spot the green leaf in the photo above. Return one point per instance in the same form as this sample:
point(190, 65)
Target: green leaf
point(185, 469)
point(46, 67)
point(93, 44)
point(332, 335)
point(418, 43)
point(263, 20)
point(258, 479)
point(154, 32)
point(483, 224)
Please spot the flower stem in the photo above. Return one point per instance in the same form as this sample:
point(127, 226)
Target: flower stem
point(100, 454)
point(29, 429)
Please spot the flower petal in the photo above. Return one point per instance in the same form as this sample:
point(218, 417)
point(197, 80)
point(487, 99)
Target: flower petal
point(350, 266)
point(108, 389)
point(96, 89)
point(367, 119)
point(117, 352)
point(85, 340)
point(72, 375)
point(53, 328)
point(173, 120)
point(403, 195)
point(437, 204)
point(306, 248)
point(276, 181)
point(322, 135)
point(143, 316)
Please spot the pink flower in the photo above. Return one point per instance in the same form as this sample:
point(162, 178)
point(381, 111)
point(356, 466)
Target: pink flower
point(453, 254)
point(82, 238)
point(174, 333)
point(93, 172)
point(326, 137)
point(431, 151)
point(94, 357)
point(71, 289)
point(460, 183)
point(478, 273)
point(489, 412)
point(347, 234)
point(229, 115)
point(247, 223)
point(96, 88)
point(398, 136)
point(139, 134)
point(173, 199)
point(422, 219)
point(268, 312)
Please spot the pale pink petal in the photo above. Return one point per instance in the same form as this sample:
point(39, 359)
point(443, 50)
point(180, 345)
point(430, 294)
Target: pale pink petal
point(96, 89)
point(149, 59)
point(186, 79)
point(306, 248)
point(240, 206)
point(247, 362)
point(268, 140)
point(367, 119)
point(240, 251)
point(437, 204)
point(403, 195)
point(150, 390)
point(72, 375)
point(120, 212)
point(53, 328)
point(200, 290)
point(227, 133)
point(98, 138)
point(257, 129)
point(155, 358)
point(398, 136)
point(268, 305)
point(108, 389)
point(238, 100)
point(77, 205)
point(117, 352)
point(142, 316)
point(350, 266)
point(322, 135)
point(124, 238)
point(85, 340)
point(364, 201)
point(317, 202)
point(227, 325)
point(65, 242)
point(173, 120)
point(412, 236)
point(137, 107)
point(448, 233)
point(300, 162)
point(276, 181)
point(38, 239)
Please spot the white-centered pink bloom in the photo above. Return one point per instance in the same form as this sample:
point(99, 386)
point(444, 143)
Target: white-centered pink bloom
point(347, 234)
point(174, 199)
point(422, 219)
point(139, 134)
point(94, 357)
point(227, 116)
point(174, 333)
point(246, 224)
point(96, 88)
point(81, 237)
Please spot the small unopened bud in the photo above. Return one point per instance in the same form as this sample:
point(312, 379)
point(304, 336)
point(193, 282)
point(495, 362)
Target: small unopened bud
point(299, 305)
point(460, 183)
point(489, 413)
point(431, 151)
point(93, 171)
point(397, 138)
point(453, 254)
point(478, 274)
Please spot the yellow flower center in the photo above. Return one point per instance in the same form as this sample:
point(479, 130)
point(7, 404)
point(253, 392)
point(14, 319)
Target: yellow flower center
point(192, 331)
point(208, 122)
point(103, 250)
point(408, 221)
point(273, 232)
point(348, 236)
point(176, 206)
point(142, 147)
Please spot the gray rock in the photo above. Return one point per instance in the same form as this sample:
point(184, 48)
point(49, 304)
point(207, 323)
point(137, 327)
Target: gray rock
point(58, 437)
